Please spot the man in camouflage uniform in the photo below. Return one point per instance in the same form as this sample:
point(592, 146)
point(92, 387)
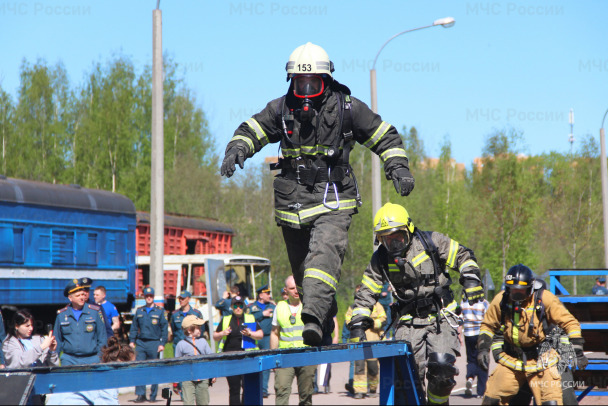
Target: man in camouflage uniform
point(415, 263)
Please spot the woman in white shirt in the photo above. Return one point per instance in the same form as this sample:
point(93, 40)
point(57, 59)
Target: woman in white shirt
point(24, 350)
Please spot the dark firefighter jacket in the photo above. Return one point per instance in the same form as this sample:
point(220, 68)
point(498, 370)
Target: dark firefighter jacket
point(415, 279)
point(297, 204)
point(518, 332)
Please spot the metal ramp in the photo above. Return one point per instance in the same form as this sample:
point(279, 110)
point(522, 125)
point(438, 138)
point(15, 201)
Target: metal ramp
point(398, 377)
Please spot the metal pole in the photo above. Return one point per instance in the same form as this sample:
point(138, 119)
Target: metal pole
point(157, 207)
point(376, 186)
point(604, 170)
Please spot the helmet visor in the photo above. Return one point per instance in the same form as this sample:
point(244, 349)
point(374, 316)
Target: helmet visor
point(395, 243)
point(518, 293)
point(307, 85)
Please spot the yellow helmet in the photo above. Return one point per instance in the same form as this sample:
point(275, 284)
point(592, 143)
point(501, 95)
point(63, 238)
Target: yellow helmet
point(309, 59)
point(390, 218)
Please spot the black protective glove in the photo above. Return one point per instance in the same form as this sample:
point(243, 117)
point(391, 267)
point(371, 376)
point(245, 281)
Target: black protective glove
point(483, 351)
point(236, 154)
point(581, 359)
point(357, 327)
point(473, 291)
point(403, 180)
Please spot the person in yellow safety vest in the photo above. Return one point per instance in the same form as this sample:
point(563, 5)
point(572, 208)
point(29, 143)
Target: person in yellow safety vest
point(519, 313)
point(231, 333)
point(287, 327)
point(367, 371)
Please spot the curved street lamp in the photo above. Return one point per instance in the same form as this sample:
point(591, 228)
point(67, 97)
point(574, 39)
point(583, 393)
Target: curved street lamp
point(376, 191)
point(604, 170)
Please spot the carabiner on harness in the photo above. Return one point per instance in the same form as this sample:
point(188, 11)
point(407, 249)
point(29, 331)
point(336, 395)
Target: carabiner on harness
point(459, 321)
point(337, 206)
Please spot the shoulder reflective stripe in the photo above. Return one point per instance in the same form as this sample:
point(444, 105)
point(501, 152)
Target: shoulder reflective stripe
point(470, 262)
point(377, 136)
point(323, 276)
point(420, 258)
point(486, 332)
point(452, 254)
point(373, 286)
point(246, 139)
point(255, 126)
point(361, 310)
point(392, 153)
point(393, 268)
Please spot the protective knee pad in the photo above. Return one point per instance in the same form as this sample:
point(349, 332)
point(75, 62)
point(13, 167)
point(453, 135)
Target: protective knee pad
point(440, 367)
point(490, 401)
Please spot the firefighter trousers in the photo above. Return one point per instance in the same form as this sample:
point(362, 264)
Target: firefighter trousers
point(426, 339)
point(366, 374)
point(504, 383)
point(316, 254)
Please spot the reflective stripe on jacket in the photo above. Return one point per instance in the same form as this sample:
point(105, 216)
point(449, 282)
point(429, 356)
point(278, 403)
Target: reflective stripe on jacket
point(290, 335)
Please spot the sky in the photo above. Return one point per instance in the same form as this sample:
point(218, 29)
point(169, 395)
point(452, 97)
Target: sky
point(504, 64)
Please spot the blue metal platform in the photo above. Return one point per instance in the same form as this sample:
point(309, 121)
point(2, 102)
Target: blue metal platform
point(394, 356)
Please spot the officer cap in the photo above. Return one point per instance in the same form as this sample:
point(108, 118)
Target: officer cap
point(148, 291)
point(184, 294)
point(192, 320)
point(86, 282)
point(238, 299)
point(263, 289)
point(73, 286)
point(601, 279)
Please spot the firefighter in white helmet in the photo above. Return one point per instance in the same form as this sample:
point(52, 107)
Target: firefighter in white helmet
point(317, 123)
point(424, 313)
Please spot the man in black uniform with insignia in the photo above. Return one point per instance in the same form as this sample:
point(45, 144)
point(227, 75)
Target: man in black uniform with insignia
point(79, 329)
point(148, 335)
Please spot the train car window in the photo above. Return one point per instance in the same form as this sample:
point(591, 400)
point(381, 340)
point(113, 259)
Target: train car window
point(18, 248)
point(6, 244)
point(63, 247)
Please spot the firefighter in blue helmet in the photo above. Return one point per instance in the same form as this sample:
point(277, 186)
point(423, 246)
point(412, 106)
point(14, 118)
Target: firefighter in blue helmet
point(79, 329)
point(317, 124)
point(148, 335)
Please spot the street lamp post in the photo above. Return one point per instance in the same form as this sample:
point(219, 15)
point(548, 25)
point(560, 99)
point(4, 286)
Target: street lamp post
point(604, 175)
point(376, 194)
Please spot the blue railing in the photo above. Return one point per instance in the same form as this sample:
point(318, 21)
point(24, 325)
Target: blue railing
point(396, 365)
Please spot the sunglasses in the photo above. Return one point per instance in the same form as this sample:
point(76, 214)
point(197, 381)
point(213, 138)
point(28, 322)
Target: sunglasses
point(238, 306)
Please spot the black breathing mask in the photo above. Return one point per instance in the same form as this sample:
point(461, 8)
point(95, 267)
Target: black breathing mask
point(306, 112)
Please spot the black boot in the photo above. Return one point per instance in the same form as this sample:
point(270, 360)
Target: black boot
point(141, 399)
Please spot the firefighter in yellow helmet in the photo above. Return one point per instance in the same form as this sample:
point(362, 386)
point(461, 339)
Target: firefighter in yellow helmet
point(416, 263)
point(317, 123)
point(524, 313)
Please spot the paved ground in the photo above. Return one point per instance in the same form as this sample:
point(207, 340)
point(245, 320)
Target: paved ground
point(338, 395)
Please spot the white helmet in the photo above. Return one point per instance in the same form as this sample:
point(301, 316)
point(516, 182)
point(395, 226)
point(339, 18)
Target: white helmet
point(309, 59)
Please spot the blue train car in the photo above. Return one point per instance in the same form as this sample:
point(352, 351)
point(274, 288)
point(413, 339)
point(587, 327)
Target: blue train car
point(50, 234)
